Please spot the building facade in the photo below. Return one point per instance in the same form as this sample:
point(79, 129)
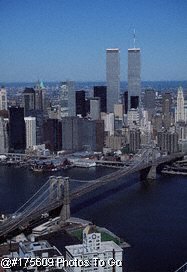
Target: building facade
point(80, 134)
point(53, 134)
point(3, 99)
point(101, 92)
point(180, 114)
point(17, 132)
point(3, 136)
point(67, 99)
point(80, 103)
point(135, 140)
point(112, 78)
point(93, 249)
point(28, 101)
point(134, 78)
point(168, 141)
point(95, 111)
point(30, 123)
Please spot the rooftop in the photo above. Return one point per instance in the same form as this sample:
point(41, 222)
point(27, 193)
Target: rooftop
point(28, 90)
point(112, 49)
point(134, 49)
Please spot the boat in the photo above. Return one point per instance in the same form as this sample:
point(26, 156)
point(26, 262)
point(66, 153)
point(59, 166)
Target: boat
point(49, 166)
point(84, 163)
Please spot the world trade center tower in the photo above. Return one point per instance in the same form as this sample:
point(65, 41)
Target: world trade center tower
point(134, 79)
point(112, 78)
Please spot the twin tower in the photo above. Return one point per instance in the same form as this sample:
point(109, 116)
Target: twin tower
point(113, 78)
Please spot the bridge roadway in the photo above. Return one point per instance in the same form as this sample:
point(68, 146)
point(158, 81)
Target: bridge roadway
point(139, 165)
point(21, 220)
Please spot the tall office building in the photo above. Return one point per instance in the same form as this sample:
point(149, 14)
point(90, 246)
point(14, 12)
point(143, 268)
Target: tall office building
point(149, 99)
point(149, 102)
point(71, 133)
point(53, 134)
point(125, 101)
point(166, 109)
point(95, 110)
point(166, 102)
point(3, 136)
point(135, 140)
point(80, 103)
point(134, 79)
point(112, 78)
point(3, 99)
point(67, 99)
point(40, 96)
point(168, 141)
point(28, 100)
point(79, 133)
point(133, 118)
point(101, 92)
point(108, 119)
point(17, 133)
point(180, 116)
point(30, 123)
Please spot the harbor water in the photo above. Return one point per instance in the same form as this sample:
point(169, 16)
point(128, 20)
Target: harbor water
point(153, 219)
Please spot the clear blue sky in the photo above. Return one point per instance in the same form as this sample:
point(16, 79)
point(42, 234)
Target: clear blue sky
point(66, 39)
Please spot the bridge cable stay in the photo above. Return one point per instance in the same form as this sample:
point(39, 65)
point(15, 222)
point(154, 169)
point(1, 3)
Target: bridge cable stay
point(107, 178)
point(40, 197)
point(45, 184)
point(24, 213)
point(29, 210)
point(9, 220)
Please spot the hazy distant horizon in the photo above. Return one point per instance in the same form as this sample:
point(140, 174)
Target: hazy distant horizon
point(159, 85)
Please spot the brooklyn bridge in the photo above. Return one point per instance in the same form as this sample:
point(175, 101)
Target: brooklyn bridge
point(55, 193)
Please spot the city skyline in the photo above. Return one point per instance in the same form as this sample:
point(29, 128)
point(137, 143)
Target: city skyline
point(57, 40)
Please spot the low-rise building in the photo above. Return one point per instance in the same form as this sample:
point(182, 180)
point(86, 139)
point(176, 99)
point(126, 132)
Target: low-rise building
point(93, 254)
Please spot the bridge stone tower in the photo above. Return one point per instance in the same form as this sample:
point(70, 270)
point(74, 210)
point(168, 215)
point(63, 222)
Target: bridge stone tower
point(52, 180)
point(55, 187)
point(152, 172)
point(65, 212)
point(148, 175)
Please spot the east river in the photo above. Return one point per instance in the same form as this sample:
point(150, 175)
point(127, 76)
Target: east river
point(153, 220)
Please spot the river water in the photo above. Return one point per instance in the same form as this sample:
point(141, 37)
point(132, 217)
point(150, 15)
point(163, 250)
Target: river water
point(153, 220)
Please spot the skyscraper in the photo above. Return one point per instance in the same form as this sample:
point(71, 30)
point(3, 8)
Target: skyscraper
point(125, 101)
point(135, 140)
point(3, 99)
point(166, 102)
point(168, 141)
point(112, 78)
point(3, 136)
point(79, 133)
point(134, 79)
point(95, 108)
point(40, 96)
point(180, 106)
point(67, 99)
point(149, 99)
point(80, 103)
point(166, 109)
point(28, 100)
point(53, 134)
point(17, 134)
point(100, 91)
point(30, 123)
